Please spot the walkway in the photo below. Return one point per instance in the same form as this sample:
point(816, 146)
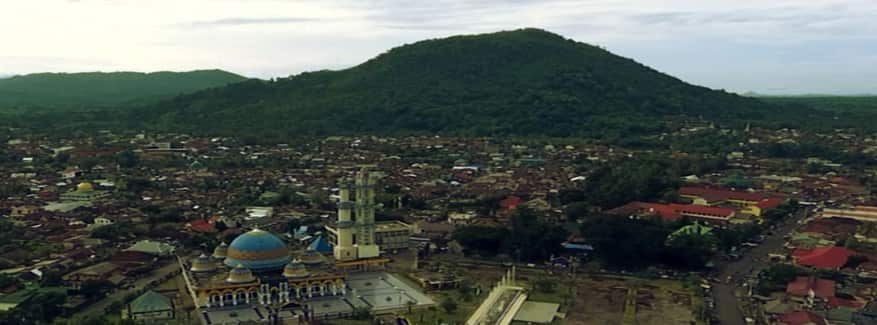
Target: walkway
point(728, 307)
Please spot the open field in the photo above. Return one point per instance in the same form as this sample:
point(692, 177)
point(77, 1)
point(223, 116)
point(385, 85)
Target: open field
point(610, 300)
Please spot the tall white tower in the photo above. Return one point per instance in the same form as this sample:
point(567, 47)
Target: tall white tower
point(356, 233)
point(365, 214)
point(344, 249)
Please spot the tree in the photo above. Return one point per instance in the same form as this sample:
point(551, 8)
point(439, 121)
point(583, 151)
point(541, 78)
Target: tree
point(577, 210)
point(449, 305)
point(545, 284)
point(776, 276)
point(690, 250)
point(127, 159)
point(532, 239)
point(6, 280)
point(485, 240)
point(628, 243)
point(111, 232)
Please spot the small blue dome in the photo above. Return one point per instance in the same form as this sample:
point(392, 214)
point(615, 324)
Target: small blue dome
point(258, 250)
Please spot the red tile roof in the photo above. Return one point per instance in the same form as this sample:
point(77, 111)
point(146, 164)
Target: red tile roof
point(822, 257)
point(672, 211)
point(510, 202)
point(802, 286)
point(200, 225)
point(769, 203)
point(831, 227)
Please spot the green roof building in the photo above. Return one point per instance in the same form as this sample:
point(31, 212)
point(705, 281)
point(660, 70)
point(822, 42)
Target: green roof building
point(150, 306)
point(693, 229)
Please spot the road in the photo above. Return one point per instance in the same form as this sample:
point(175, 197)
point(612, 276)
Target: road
point(729, 308)
point(98, 307)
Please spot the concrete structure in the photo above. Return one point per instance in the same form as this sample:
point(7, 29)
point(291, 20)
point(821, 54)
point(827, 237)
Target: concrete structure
point(389, 235)
point(859, 212)
point(502, 303)
point(150, 307)
point(750, 203)
point(257, 269)
point(152, 248)
point(705, 214)
point(84, 192)
point(537, 313)
point(355, 237)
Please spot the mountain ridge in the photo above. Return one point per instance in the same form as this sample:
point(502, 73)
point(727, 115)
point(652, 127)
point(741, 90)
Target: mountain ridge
point(90, 90)
point(510, 82)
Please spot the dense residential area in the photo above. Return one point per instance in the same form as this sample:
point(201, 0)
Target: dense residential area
point(368, 164)
point(96, 223)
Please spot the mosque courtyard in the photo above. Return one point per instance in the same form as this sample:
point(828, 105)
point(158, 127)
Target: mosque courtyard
point(380, 292)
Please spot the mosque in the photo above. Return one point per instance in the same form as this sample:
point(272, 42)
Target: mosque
point(257, 267)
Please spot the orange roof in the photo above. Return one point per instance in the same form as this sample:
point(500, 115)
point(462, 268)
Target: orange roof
point(672, 211)
point(822, 257)
point(769, 203)
point(510, 202)
point(200, 225)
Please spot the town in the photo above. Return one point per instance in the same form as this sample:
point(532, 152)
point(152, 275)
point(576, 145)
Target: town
point(107, 227)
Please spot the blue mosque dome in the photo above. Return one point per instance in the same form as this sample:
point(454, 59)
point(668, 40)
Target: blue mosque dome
point(257, 250)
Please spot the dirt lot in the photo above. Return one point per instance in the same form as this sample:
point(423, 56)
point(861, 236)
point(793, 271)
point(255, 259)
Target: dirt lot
point(601, 300)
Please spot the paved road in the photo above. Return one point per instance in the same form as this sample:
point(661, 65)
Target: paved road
point(728, 307)
point(98, 307)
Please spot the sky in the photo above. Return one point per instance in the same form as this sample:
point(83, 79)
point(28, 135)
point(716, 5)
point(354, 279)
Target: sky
point(772, 47)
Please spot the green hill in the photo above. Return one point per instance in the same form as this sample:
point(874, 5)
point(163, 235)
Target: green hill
point(101, 90)
point(525, 82)
point(840, 104)
point(519, 82)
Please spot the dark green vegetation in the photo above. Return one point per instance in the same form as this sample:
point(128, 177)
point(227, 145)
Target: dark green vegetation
point(840, 104)
point(95, 90)
point(639, 243)
point(518, 83)
point(528, 238)
point(524, 82)
point(645, 178)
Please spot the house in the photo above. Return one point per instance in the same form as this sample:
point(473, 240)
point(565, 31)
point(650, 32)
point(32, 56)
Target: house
point(803, 287)
point(152, 247)
point(259, 212)
point(802, 318)
point(827, 258)
point(860, 213)
point(507, 205)
point(750, 203)
point(673, 211)
point(150, 307)
point(461, 217)
point(84, 192)
point(97, 272)
point(200, 226)
point(132, 258)
point(100, 222)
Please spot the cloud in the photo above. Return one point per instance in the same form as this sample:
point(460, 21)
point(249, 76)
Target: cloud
point(240, 21)
point(804, 46)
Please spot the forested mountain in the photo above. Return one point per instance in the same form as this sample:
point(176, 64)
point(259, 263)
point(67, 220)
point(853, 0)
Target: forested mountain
point(523, 82)
point(92, 90)
point(839, 104)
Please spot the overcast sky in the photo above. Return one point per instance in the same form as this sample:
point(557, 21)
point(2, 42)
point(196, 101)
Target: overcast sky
point(776, 46)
